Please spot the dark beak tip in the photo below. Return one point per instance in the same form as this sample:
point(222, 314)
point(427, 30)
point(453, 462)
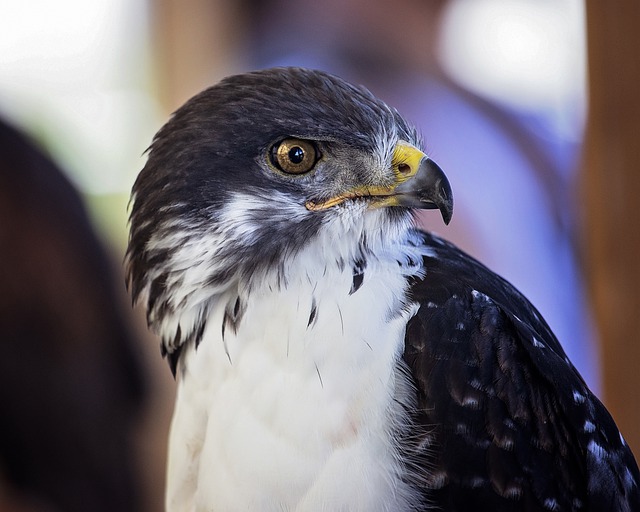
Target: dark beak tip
point(447, 213)
point(446, 202)
point(440, 194)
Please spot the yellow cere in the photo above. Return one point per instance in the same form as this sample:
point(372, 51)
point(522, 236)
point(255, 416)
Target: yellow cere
point(406, 161)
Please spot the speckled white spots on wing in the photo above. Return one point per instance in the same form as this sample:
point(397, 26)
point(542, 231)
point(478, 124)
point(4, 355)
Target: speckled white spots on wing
point(538, 344)
point(475, 383)
point(480, 296)
point(471, 402)
point(506, 443)
point(597, 451)
point(513, 491)
point(578, 397)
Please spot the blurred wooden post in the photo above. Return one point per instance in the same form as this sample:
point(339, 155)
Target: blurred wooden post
point(611, 202)
point(195, 44)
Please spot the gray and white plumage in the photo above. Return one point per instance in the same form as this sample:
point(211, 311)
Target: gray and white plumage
point(329, 354)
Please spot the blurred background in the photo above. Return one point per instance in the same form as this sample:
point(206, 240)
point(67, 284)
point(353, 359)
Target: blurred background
point(530, 107)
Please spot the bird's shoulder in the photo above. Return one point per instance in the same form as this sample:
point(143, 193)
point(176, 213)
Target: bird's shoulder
point(507, 420)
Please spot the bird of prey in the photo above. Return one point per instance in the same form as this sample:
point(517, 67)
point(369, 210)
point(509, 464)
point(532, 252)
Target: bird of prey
point(329, 354)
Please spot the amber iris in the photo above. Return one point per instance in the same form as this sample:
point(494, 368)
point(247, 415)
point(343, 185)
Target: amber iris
point(294, 156)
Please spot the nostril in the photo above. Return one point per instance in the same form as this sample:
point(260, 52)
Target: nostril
point(404, 169)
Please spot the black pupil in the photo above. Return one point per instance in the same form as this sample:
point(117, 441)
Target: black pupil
point(296, 155)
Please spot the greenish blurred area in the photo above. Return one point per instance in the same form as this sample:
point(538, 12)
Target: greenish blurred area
point(109, 213)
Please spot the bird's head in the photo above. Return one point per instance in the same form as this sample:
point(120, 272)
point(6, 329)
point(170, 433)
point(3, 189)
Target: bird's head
point(259, 167)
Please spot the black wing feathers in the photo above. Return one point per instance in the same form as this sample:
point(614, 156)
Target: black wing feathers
point(510, 423)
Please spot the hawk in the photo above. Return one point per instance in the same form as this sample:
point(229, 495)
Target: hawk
point(329, 354)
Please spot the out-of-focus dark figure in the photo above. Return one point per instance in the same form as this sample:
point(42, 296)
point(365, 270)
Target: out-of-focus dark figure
point(512, 179)
point(71, 385)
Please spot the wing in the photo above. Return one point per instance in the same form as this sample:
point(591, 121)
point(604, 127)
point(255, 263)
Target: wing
point(507, 422)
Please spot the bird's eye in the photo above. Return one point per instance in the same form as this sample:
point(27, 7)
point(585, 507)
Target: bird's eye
point(294, 156)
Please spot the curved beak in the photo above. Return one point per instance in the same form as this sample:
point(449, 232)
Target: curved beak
point(427, 188)
point(417, 182)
